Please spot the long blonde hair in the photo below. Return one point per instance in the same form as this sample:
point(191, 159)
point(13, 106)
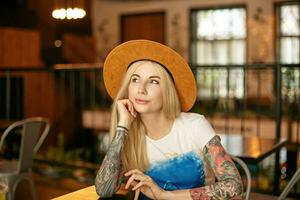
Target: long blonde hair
point(133, 153)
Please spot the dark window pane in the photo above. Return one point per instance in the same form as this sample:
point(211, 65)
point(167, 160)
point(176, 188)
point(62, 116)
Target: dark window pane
point(11, 101)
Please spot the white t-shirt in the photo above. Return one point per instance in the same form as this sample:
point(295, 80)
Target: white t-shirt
point(176, 160)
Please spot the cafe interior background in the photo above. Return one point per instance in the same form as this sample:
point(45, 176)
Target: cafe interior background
point(245, 55)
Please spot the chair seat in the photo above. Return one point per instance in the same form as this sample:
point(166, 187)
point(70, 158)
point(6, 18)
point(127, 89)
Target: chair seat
point(8, 168)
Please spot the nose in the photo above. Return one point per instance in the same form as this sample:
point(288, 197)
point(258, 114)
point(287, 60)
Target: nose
point(142, 88)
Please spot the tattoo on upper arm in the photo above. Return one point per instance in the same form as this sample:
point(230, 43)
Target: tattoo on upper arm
point(108, 178)
point(229, 183)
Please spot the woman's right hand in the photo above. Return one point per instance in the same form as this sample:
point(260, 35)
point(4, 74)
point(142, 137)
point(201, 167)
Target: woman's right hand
point(126, 112)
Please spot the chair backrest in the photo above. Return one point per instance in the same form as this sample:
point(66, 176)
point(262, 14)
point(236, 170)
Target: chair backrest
point(247, 173)
point(290, 185)
point(34, 132)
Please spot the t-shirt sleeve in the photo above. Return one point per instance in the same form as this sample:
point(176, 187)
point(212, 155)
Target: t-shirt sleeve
point(202, 132)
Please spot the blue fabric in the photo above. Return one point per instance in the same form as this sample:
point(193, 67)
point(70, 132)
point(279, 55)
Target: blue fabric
point(182, 172)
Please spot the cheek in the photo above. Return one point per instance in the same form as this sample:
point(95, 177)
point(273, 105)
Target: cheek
point(130, 91)
point(158, 96)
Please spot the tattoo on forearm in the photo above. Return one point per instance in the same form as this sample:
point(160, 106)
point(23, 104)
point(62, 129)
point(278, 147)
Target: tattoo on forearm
point(108, 178)
point(229, 183)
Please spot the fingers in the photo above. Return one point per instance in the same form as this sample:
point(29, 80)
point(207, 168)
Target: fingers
point(129, 106)
point(142, 183)
point(134, 174)
point(129, 181)
point(131, 109)
point(137, 194)
point(137, 179)
point(145, 181)
point(134, 177)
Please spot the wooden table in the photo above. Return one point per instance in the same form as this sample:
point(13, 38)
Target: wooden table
point(85, 193)
point(251, 149)
point(89, 193)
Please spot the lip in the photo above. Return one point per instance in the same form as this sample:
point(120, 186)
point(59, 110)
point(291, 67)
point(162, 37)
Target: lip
point(141, 101)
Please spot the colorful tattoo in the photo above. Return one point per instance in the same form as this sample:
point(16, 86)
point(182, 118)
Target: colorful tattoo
point(229, 184)
point(109, 176)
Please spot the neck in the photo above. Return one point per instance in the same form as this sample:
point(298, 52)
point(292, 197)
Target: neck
point(157, 125)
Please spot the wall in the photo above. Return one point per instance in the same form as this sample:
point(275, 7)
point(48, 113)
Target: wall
point(19, 48)
point(260, 35)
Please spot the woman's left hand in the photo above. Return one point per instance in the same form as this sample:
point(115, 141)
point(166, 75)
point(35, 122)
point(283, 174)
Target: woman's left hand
point(143, 183)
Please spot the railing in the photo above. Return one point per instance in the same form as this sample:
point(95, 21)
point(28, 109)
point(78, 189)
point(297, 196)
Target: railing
point(251, 91)
point(240, 99)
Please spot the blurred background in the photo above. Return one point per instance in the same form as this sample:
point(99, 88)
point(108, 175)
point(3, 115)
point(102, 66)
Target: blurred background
point(245, 55)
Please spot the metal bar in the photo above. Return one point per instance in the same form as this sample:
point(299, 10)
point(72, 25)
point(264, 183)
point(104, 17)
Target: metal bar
point(258, 104)
point(203, 39)
point(249, 66)
point(278, 116)
point(227, 100)
point(298, 113)
point(52, 84)
point(72, 87)
point(62, 92)
point(82, 89)
point(212, 87)
point(244, 104)
point(8, 92)
point(193, 65)
point(92, 94)
point(278, 111)
point(48, 69)
point(18, 96)
point(290, 185)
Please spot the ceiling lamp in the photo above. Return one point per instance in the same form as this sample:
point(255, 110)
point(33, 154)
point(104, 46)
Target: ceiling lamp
point(68, 9)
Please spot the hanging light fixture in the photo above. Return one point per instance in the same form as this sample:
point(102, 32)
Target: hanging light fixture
point(68, 9)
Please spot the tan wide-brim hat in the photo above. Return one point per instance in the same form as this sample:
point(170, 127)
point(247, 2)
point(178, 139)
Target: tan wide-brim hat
point(119, 59)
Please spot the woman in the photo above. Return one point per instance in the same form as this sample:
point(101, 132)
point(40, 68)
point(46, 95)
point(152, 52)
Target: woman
point(161, 150)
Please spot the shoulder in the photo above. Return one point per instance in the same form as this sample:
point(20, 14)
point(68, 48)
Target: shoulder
point(197, 128)
point(191, 118)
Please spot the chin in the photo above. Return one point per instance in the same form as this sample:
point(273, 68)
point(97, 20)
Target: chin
point(141, 110)
point(146, 110)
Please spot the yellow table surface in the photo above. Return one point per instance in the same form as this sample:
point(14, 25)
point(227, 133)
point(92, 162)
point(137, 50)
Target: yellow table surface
point(88, 193)
point(85, 193)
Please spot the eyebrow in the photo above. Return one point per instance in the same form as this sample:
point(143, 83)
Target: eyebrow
point(149, 76)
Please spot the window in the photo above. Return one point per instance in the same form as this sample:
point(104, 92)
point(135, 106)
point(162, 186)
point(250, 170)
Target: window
point(288, 37)
point(289, 33)
point(219, 38)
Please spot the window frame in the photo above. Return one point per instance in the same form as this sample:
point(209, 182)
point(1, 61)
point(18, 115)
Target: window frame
point(193, 39)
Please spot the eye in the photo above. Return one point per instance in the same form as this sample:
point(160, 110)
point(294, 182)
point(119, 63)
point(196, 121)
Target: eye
point(154, 81)
point(134, 80)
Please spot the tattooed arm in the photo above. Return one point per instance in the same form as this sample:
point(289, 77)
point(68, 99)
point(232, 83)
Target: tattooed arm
point(229, 182)
point(109, 176)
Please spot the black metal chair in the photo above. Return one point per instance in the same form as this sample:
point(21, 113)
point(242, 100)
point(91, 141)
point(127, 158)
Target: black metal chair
point(247, 174)
point(283, 194)
point(290, 185)
point(33, 133)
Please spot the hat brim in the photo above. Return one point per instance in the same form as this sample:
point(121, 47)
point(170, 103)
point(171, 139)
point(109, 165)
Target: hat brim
point(118, 60)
